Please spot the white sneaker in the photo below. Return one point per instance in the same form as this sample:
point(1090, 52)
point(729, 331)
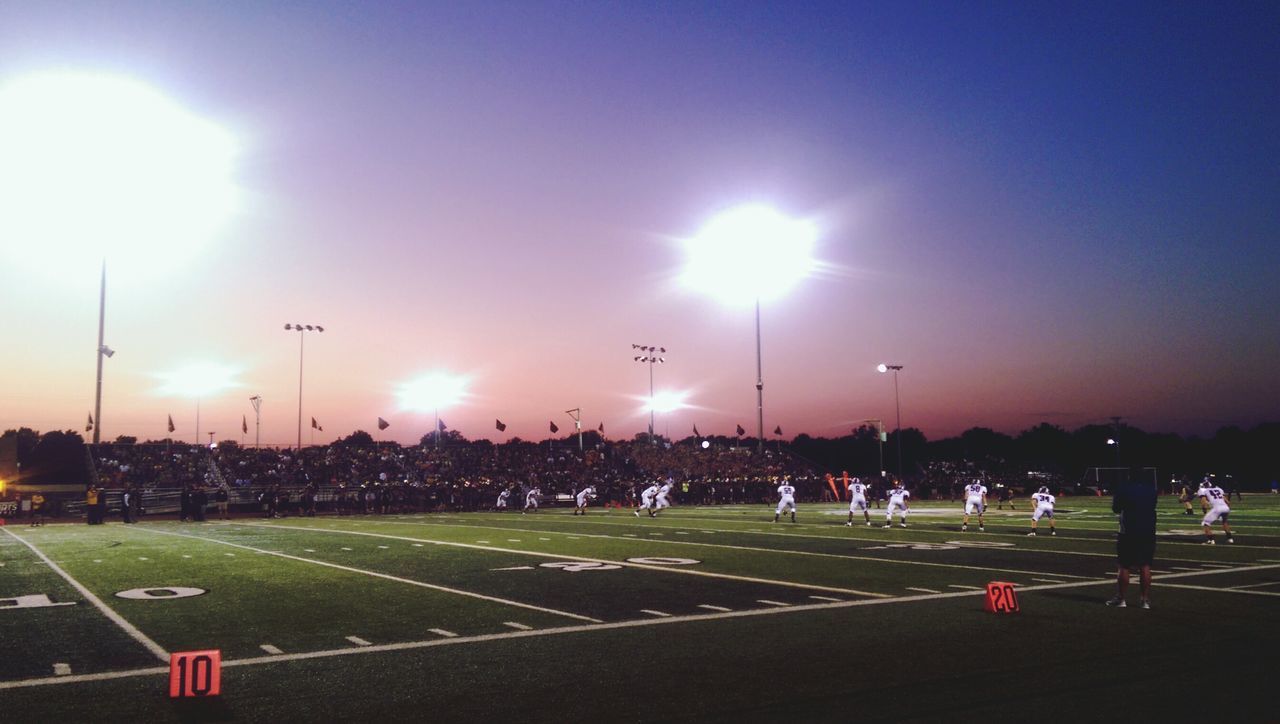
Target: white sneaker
point(887, 525)
point(1116, 602)
point(1032, 534)
point(902, 525)
point(849, 524)
point(1146, 604)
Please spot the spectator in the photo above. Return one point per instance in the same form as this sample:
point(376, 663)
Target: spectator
point(1135, 502)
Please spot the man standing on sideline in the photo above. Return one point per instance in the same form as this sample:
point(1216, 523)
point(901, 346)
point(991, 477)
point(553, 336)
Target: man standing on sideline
point(1135, 502)
point(126, 503)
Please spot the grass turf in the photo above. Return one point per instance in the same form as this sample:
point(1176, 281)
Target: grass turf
point(623, 627)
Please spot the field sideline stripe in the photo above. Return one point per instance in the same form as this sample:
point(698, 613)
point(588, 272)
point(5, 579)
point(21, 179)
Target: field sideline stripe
point(106, 610)
point(782, 551)
point(581, 628)
point(1215, 590)
point(570, 556)
point(375, 574)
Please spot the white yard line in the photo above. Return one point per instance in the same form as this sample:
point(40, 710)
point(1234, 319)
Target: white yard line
point(580, 628)
point(967, 588)
point(651, 612)
point(563, 556)
point(106, 610)
point(517, 626)
point(922, 590)
point(358, 641)
point(1216, 590)
point(721, 609)
point(274, 651)
point(1257, 585)
point(780, 551)
point(375, 574)
point(442, 632)
point(828, 598)
point(767, 602)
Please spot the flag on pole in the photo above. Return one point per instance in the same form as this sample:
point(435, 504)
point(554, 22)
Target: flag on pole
point(89, 426)
point(554, 429)
point(695, 431)
point(502, 426)
point(383, 424)
point(778, 431)
point(443, 426)
point(171, 427)
point(741, 432)
point(601, 428)
point(316, 425)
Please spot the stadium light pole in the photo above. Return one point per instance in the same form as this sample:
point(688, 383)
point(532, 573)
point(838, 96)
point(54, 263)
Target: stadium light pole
point(749, 255)
point(649, 355)
point(897, 402)
point(1116, 443)
point(256, 401)
point(302, 329)
point(103, 351)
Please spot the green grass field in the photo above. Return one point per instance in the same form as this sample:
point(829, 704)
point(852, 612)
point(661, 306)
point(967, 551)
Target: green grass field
point(700, 614)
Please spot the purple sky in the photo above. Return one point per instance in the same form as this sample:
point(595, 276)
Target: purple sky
point(1044, 212)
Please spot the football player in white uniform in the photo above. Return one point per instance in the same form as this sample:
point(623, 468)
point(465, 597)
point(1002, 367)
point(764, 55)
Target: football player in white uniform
point(1213, 496)
point(586, 495)
point(531, 500)
point(897, 501)
point(646, 499)
point(857, 500)
point(786, 499)
point(975, 498)
point(502, 499)
point(660, 500)
point(1044, 506)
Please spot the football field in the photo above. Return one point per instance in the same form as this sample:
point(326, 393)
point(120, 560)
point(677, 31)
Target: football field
point(703, 613)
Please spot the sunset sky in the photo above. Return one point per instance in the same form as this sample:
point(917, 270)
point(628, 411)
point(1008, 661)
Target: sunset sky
point(1045, 211)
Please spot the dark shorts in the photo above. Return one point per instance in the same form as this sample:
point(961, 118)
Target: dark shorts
point(1133, 551)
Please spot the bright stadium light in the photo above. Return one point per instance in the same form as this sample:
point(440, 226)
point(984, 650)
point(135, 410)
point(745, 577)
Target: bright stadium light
point(748, 255)
point(94, 166)
point(433, 392)
point(666, 401)
point(198, 380)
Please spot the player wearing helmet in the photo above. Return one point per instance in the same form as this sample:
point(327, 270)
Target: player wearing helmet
point(898, 496)
point(975, 498)
point(1043, 502)
point(1212, 495)
point(858, 500)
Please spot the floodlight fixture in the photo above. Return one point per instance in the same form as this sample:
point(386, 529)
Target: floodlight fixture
point(897, 402)
point(667, 401)
point(747, 255)
point(649, 357)
point(302, 331)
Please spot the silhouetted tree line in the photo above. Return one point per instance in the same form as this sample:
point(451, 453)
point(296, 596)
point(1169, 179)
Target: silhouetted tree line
point(1249, 455)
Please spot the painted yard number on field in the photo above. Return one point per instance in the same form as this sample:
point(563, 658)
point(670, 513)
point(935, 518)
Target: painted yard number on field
point(195, 673)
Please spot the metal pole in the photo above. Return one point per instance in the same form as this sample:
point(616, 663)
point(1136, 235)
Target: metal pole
point(898, 403)
point(256, 401)
point(437, 427)
point(197, 421)
point(651, 418)
point(102, 312)
point(301, 337)
point(759, 387)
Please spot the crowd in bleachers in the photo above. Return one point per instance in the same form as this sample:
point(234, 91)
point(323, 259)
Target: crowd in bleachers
point(389, 477)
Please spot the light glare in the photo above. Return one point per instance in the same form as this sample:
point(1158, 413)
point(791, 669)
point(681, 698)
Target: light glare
point(433, 391)
point(666, 401)
point(95, 166)
point(198, 380)
point(749, 253)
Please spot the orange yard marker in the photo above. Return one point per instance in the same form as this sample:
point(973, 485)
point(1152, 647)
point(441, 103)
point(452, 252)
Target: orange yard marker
point(195, 673)
point(1001, 598)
